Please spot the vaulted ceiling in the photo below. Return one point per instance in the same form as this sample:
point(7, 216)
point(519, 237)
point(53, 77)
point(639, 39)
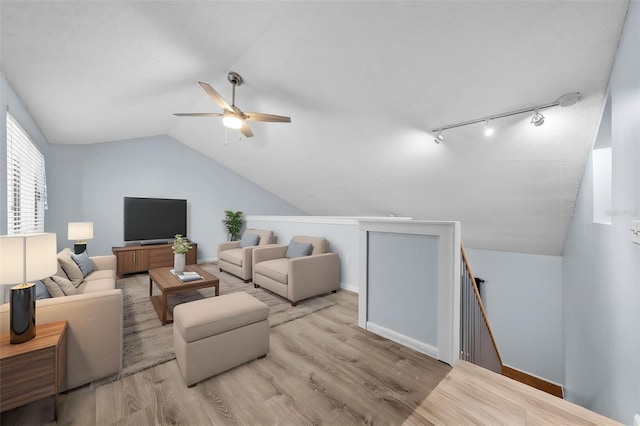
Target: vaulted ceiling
point(364, 83)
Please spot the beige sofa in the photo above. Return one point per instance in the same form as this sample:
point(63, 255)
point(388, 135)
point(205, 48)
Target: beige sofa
point(299, 278)
point(238, 260)
point(94, 336)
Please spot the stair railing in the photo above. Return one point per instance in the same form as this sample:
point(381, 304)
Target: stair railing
point(477, 343)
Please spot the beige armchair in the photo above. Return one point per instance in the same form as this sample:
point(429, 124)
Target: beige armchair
point(298, 278)
point(237, 260)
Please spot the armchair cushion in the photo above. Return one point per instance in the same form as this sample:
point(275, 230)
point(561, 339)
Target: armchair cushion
point(297, 249)
point(233, 256)
point(249, 240)
point(276, 269)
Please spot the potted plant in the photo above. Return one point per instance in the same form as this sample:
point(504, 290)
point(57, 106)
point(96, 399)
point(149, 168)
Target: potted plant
point(180, 248)
point(233, 222)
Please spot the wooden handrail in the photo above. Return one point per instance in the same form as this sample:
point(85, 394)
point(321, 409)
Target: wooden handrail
point(479, 302)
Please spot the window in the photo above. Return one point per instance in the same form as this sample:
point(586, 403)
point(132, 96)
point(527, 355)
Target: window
point(26, 182)
point(602, 156)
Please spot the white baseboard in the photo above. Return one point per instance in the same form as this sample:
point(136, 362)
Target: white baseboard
point(403, 340)
point(208, 260)
point(350, 287)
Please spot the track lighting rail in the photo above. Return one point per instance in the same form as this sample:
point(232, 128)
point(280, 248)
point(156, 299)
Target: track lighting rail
point(565, 100)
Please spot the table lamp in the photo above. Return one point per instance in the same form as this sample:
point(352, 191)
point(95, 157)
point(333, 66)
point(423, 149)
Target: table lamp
point(80, 231)
point(23, 260)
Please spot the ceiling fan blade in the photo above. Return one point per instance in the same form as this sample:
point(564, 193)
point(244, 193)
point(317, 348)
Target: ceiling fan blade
point(258, 116)
point(215, 96)
point(198, 114)
point(245, 130)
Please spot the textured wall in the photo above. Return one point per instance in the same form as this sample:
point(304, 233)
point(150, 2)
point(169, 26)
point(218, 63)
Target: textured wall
point(601, 266)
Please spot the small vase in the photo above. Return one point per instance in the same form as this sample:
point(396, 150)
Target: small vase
point(178, 263)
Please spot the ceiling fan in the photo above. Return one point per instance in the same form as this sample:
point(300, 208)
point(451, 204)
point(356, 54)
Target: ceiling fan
point(232, 116)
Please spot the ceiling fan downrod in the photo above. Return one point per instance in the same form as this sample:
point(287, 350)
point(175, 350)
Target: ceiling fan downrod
point(236, 80)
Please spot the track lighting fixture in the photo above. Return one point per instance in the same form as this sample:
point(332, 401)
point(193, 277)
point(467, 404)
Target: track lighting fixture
point(488, 130)
point(537, 119)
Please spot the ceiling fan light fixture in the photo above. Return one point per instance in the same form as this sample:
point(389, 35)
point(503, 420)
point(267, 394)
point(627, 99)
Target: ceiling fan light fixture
point(232, 121)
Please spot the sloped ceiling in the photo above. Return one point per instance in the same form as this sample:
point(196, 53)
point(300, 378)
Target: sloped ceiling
point(364, 83)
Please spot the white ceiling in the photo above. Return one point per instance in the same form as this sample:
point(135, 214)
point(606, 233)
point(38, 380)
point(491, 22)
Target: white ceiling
point(364, 84)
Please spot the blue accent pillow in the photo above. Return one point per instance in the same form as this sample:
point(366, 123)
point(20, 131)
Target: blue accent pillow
point(249, 240)
point(297, 249)
point(41, 291)
point(84, 263)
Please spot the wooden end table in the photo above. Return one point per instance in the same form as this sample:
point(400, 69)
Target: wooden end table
point(168, 284)
point(34, 369)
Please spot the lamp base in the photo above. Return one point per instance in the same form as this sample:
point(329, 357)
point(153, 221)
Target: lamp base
point(22, 313)
point(79, 248)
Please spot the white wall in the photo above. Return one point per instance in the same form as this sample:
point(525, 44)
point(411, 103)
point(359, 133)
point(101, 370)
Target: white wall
point(522, 295)
point(601, 266)
point(89, 183)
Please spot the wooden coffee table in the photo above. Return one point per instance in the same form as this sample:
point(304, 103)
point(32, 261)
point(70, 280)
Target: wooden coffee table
point(170, 284)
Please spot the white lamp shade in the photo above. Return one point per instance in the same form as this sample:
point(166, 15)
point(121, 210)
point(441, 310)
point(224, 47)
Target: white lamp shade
point(27, 258)
point(80, 231)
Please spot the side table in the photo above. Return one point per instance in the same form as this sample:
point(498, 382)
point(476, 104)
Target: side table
point(35, 369)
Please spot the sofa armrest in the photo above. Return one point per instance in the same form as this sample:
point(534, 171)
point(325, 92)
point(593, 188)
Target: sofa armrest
point(274, 251)
point(107, 262)
point(228, 246)
point(312, 275)
point(94, 336)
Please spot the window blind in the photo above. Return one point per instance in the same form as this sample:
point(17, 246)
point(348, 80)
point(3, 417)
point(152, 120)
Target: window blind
point(26, 182)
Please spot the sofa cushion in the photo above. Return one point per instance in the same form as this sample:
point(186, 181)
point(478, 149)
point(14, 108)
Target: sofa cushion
point(297, 249)
point(100, 275)
point(41, 291)
point(276, 269)
point(233, 256)
point(53, 288)
point(84, 263)
point(95, 285)
point(70, 267)
point(68, 288)
point(249, 240)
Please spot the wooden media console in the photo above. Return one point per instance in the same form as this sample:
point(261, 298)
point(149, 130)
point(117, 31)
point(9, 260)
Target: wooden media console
point(141, 258)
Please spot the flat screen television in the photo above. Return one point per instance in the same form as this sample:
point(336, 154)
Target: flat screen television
point(154, 220)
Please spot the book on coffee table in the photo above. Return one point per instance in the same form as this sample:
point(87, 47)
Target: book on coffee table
point(187, 276)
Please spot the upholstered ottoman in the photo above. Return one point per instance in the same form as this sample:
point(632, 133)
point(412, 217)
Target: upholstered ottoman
point(218, 333)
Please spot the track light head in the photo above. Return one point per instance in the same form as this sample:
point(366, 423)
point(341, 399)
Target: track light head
point(488, 131)
point(537, 119)
point(439, 138)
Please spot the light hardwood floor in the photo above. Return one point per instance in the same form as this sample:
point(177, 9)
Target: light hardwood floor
point(473, 395)
point(321, 369)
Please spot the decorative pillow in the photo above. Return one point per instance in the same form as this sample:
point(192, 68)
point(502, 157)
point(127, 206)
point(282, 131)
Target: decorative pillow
point(249, 240)
point(53, 288)
point(70, 267)
point(297, 249)
point(41, 291)
point(65, 285)
point(84, 263)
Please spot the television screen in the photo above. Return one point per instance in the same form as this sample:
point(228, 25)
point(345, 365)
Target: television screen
point(154, 219)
